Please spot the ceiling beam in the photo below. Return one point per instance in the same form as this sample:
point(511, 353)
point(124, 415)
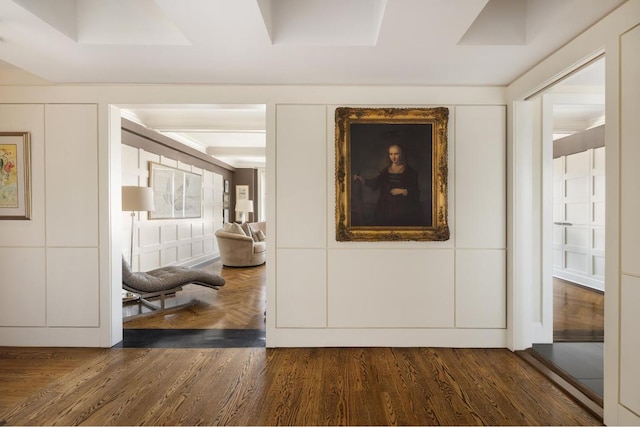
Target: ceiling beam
point(237, 151)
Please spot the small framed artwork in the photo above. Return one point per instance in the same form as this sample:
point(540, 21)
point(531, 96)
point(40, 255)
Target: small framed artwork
point(225, 214)
point(242, 192)
point(226, 185)
point(15, 175)
point(391, 174)
point(225, 200)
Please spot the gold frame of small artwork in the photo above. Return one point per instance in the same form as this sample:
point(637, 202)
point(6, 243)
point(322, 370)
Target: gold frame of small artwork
point(15, 175)
point(363, 138)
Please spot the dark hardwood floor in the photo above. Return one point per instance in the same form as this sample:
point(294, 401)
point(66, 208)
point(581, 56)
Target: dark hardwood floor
point(297, 386)
point(578, 313)
point(286, 386)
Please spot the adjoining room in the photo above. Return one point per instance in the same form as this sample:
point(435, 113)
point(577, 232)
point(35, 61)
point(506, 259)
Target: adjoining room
point(570, 306)
point(205, 167)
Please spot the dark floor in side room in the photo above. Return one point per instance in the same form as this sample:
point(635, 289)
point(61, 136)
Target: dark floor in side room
point(582, 360)
point(192, 338)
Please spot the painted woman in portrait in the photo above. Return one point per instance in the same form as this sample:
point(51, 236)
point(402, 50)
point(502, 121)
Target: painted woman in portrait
point(398, 193)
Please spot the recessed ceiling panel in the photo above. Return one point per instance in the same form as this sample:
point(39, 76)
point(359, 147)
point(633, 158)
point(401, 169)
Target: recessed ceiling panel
point(323, 22)
point(501, 22)
point(125, 22)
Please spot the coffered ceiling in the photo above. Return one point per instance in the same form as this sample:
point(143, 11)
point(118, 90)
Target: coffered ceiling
point(334, 42)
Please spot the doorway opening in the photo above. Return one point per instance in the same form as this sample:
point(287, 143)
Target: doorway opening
point(573, 226)
point(220, 147)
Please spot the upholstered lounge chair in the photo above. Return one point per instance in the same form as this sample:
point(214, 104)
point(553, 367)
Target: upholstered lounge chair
point(165, 280)
point(238, 248)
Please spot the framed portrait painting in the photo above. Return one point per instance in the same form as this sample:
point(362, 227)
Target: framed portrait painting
point(15, 175)
point(391, 174)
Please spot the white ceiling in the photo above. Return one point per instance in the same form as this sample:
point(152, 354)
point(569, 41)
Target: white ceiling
point(378, 42)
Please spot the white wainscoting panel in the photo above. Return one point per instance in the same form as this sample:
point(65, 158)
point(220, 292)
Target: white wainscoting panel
point(72, 276)
point(301, 288)
point(481, 291)
point(169, 231)
point(148, 261)
point(301, 176)
point(27, 118)
point(184, 230)
point(629, 343)
point(184, 252)
point(22, 289)
point(480, 177)
point(149, 234)
point(197, 230)
point(169, 255)
point(72, 177)
point(197, 248)
point(403, 288)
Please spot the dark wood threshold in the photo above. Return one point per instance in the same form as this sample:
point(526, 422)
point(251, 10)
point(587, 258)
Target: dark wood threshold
point(584, 396)
point(578, 335)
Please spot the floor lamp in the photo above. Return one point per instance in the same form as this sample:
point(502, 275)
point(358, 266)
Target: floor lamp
point(136, 199)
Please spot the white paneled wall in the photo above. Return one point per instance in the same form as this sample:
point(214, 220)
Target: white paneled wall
point(301, 301)
point(480, 177)
point(81, 264)
point(23, 288)
point(52, 260)
point(630, 225)
point(72, 202)
point(578, 216)
point(160, 242)
point(400, 288)
point(339, 292)
point(302, 177)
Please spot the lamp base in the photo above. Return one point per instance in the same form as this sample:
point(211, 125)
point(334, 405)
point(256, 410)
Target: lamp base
point(133, 215)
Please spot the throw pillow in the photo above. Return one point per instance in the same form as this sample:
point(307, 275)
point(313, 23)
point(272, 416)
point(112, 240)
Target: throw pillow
point(246, 229)
point(232, 227)
point(261, 236)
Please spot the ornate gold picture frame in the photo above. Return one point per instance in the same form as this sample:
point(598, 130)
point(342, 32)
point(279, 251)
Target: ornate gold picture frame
point(391, 174)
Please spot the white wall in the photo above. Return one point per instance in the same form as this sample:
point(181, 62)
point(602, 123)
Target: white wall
point(163, 242)
point(618, 36)
point(97, 227)
point(629, 297)
point(331, 293)
point(579, 199)
point(53, 259)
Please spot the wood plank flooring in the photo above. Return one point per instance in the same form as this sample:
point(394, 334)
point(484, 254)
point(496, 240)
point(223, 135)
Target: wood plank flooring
point(314, 386)
point(578, 312)
point(239, 304)
point(257, 386)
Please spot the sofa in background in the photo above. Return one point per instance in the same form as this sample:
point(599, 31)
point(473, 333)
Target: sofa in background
point(242, 245)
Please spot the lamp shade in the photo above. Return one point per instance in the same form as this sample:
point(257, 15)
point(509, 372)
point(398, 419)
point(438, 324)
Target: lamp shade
point(137, 199)
point(244, 205)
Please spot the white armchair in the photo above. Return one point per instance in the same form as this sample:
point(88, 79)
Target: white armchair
point(238, 249)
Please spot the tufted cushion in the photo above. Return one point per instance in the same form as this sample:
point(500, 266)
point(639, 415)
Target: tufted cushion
point(164, 278)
